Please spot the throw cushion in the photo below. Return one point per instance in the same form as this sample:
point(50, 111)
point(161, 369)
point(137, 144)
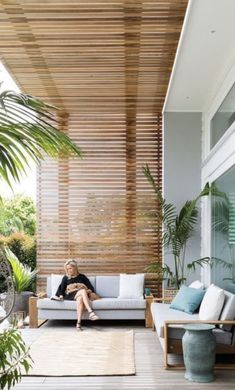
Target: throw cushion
point(212, 303)
point(196, 284)
point(131, 286)
point(55, 282)
point(187, 299)
point(228, 311)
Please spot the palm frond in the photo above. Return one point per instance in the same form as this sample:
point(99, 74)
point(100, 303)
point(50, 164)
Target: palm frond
point(220, 215)
point(199, 262)
point(217, 193)
point(28, 130)
point(215, 261)
point(168, 210)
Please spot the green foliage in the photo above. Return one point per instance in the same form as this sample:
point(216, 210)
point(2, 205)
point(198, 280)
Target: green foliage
point(23, 246)
point(28, 127)
point(22, 274)
point(17, 214)
point(178, 229)
point(15, 359)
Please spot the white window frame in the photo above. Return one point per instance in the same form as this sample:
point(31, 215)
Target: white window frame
point(215, 162)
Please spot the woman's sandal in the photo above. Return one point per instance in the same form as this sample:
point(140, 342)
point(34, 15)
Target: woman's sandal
point(78, 326)
point(93, 316)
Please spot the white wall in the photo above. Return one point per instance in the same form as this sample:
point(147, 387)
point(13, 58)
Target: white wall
point(182, 167)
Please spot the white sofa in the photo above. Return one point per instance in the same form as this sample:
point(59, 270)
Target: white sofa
point(109, 307)
point(169, 327)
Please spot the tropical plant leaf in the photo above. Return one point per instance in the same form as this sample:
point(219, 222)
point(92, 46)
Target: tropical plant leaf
point(28, 131)
point(178, 228)
point(199, 262)
point(14, 356)
point(22, 274)
point(215, 261)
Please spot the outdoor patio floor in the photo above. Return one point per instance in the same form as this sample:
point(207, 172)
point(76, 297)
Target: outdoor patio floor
point(150, 373)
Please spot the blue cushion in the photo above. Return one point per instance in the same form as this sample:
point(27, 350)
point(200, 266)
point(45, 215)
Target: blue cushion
point(187, 299)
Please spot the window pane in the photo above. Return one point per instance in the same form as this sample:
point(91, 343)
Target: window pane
point(223, 118)
point(223, 231)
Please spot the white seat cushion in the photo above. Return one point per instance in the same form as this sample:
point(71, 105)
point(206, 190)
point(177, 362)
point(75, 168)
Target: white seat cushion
point(100, 304)
point(212, 303)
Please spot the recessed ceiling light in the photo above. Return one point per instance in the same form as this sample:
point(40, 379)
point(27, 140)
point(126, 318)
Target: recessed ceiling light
point(212, 31)
point(187, 97)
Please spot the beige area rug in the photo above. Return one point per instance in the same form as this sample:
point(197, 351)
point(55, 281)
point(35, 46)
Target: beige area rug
point(81, 354)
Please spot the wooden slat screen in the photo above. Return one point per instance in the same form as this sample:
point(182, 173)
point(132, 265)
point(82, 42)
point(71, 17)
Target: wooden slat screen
point(106, 64)
point(95, 211)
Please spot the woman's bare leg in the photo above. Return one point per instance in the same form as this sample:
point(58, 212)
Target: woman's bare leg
point(86, 302)
point(83, 294)
point(80, 308)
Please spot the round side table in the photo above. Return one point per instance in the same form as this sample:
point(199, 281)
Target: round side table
point(199, 352)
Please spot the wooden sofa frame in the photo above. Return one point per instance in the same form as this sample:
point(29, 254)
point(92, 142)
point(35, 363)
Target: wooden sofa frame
point(174, 346)
point(35, 322)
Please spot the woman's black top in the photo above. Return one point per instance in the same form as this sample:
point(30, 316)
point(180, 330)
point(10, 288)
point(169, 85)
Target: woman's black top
point(80, 278)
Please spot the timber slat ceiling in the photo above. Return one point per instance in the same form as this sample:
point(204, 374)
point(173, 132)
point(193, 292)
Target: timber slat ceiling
point(106, 65)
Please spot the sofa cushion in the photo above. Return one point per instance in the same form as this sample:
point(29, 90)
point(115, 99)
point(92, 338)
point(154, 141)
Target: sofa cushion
point(187, 299)
point(92, 280)
point(228, 310)
point(100, 304)
point(212, 303)
point(196, 284)
point(131, 286)
point(55, 281)
point(162, 312)
point(47, 303)
point(117, 303)
point(107, 286)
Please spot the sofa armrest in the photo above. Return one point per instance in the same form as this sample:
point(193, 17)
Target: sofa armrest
point(33, 310)
point(164, 300)
point(148, 314)
point(167, 323)
point(213, 322)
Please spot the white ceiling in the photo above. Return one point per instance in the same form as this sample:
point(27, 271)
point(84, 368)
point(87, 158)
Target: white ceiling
point(205, 54)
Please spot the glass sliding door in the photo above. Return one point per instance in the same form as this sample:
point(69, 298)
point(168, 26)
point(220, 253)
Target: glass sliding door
point(223, 231)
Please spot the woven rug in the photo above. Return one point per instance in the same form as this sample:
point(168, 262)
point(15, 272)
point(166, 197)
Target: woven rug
point(62, 353)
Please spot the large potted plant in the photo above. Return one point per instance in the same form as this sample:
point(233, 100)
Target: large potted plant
point(15, 359)
point(178, 228)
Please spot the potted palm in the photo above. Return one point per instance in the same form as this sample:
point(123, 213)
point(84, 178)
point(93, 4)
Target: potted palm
point(177, 230)
point(14, 353)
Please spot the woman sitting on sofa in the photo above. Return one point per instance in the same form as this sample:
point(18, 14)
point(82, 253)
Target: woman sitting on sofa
point(76, 286)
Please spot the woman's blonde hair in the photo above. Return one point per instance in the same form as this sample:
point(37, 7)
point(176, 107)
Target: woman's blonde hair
point(71, 262)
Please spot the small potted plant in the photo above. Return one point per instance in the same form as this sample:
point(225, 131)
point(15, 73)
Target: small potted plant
point(23, 277)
